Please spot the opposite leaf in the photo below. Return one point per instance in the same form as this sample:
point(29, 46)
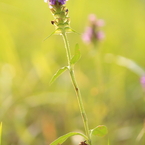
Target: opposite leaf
point(0, 132)
point(50, 35)
point(63, 138)
point(76, 56)
point(58, 73)
point(75, 31)
point(100, 130)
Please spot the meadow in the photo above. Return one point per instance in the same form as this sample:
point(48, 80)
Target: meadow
point(35, 113)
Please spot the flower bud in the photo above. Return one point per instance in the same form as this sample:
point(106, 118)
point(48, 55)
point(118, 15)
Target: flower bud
point(60, 12)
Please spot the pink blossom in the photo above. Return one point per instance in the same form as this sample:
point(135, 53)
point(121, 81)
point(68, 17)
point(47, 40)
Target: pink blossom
point(93, 33)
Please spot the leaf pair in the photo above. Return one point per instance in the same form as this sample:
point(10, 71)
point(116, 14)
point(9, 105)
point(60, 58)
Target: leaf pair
point(58, 32)
point(63, 138)
point(74, 59)
point(100, 130)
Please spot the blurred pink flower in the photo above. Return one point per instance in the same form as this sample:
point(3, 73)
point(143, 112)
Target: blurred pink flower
point(92, 33)
point(87, 35)
point(100, 35)
point(142, 81)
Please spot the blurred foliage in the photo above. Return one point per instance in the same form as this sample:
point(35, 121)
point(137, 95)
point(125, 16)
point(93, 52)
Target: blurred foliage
point(35, 113)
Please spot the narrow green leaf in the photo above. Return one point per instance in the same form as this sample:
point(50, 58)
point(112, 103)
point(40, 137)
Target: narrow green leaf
point(108, 142)
point(63, 138)
point(100, 130)
point(58, 73)
point(0, 133)
point(75, 31)
point(50, 35)
point(76, 56)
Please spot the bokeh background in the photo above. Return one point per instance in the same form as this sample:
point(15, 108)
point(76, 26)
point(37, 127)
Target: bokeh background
point(34, 113)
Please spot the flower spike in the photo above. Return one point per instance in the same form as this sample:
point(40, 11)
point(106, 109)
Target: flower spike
point(60, 12)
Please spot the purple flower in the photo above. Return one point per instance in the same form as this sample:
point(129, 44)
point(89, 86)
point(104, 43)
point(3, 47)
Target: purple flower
point(142, 81)
point(92, 33)
point(53, 2)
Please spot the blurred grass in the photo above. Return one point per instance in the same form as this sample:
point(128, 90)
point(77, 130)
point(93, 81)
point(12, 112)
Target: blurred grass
point(33, 112)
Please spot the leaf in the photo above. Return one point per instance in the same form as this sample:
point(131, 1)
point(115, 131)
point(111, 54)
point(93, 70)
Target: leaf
point(71, 30)
point(0, 132)
point(63, 138)
point(50, 35)
point(58, 73)
point(100, 130)
point(76, 56)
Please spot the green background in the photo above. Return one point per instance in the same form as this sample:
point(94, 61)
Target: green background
point(34, 113)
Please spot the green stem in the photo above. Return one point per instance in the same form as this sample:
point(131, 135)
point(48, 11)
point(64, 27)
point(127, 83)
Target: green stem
point(77, 90)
